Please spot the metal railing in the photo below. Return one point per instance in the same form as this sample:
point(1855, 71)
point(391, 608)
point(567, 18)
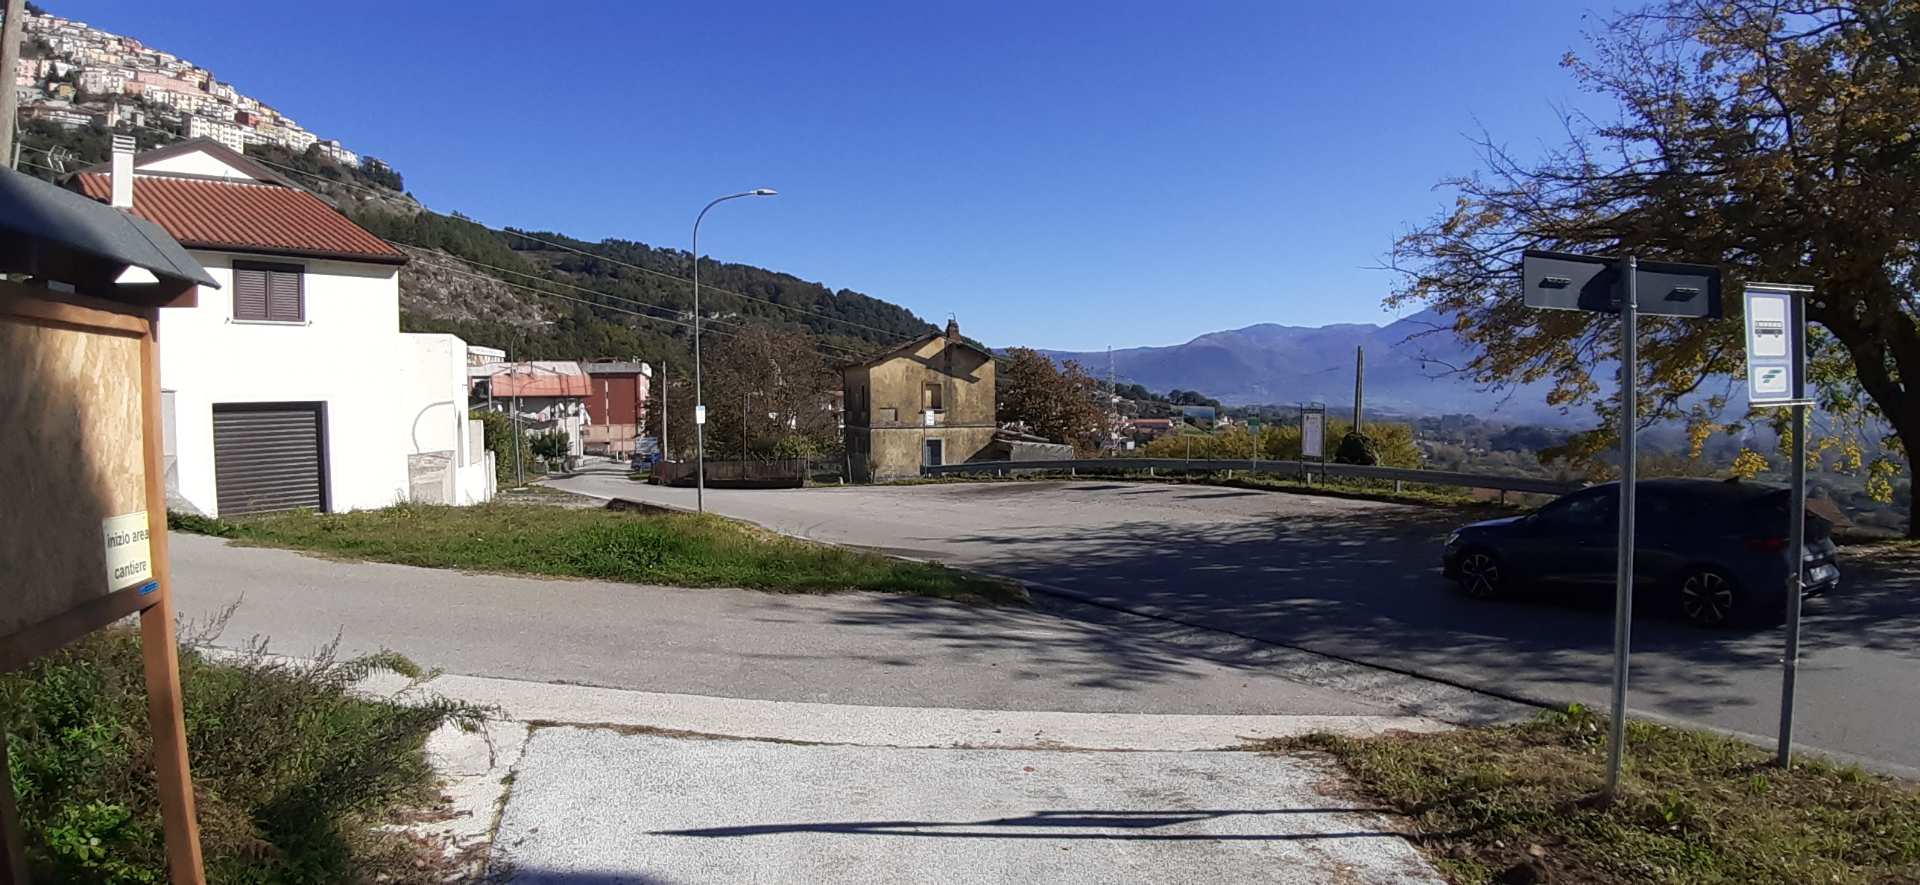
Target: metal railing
point(1301, 469)
point(779, 474)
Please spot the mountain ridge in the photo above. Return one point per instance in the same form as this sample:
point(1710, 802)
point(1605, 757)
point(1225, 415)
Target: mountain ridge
point(1412, 368)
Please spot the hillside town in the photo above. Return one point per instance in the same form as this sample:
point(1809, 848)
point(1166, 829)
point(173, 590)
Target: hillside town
point(74, 75)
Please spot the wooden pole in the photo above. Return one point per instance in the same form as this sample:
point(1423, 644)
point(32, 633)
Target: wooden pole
point(1359, 384)
point(13, 852)
point(159, 647)
point(9, 61)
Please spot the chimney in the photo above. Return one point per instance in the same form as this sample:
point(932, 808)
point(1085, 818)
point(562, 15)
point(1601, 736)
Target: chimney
point(953, 328)
point(122, 172)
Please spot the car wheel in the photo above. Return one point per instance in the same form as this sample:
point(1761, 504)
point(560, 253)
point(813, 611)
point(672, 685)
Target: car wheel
point(1480, 574)
point(1708, 598)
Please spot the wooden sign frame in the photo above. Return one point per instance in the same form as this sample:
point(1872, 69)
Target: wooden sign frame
point(152, 601)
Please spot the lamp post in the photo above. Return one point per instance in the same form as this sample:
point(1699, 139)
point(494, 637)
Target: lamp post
point(699, 402)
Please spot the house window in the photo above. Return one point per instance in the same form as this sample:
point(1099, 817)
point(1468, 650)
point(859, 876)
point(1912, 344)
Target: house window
point(889, 414)
point(269, 293)
point(930, 397)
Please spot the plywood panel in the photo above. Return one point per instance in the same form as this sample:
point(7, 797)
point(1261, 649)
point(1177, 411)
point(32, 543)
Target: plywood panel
point(71, 457)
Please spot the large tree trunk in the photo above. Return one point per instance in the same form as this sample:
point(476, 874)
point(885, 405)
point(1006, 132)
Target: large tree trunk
point(1870, 339)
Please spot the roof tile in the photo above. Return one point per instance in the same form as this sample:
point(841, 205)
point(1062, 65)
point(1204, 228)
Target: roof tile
point(247, 217)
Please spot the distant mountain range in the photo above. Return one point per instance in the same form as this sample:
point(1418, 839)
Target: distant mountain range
point(1410, 366)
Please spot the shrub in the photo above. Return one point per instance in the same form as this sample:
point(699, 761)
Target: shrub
point(550, 445)
point(1357, 448)
point(291, 769)
point(497, 435)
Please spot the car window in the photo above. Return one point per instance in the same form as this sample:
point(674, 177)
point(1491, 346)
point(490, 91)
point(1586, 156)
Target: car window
point(1591, 510)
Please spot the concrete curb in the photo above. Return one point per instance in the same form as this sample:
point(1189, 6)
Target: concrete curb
point(799, 722)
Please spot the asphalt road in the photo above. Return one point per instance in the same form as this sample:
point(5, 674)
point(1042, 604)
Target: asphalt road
point(866, 649)
point(1360, 579)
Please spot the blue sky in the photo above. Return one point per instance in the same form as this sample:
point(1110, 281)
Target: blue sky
point(1059, 175)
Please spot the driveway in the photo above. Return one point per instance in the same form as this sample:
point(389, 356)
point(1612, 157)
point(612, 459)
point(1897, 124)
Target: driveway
point(1360, 580)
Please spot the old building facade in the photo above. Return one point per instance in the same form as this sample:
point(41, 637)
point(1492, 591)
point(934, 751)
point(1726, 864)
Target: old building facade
point(929, 401)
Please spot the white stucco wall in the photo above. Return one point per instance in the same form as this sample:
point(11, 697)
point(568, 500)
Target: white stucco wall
point(386, 395)
point(193, 163)
point(431, 396)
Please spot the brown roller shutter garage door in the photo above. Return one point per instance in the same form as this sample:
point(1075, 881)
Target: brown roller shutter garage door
point(268, 457)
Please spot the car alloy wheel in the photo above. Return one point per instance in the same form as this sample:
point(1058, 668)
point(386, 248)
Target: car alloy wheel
point(1706, 598)
point(1480, 575)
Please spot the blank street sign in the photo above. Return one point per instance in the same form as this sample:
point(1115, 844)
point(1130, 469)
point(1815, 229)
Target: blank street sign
point(1560, 281)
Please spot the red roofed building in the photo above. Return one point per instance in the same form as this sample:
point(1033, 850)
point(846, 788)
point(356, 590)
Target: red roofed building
point(292, 385)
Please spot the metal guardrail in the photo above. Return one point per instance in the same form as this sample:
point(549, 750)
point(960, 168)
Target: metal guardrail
point(1285, 468)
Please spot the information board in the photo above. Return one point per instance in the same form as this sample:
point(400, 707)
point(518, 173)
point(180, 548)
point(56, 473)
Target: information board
point(75, 502)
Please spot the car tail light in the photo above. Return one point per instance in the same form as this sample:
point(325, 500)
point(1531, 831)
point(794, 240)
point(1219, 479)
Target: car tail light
point(1766, 544)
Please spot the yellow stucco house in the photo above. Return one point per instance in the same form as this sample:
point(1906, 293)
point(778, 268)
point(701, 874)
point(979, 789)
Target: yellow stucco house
point(928, 401)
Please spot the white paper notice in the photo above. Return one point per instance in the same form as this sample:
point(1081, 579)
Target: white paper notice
point(129, 553)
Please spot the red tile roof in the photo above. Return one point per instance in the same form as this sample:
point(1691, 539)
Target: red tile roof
point(247, 217)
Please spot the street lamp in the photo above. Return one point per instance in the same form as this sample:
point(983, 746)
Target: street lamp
point(700, 403)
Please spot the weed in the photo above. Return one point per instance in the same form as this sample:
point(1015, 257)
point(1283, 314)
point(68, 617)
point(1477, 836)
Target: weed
point(291, 769)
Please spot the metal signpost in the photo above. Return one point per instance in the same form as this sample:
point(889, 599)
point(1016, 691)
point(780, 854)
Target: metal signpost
point(1777, 376)
point(1629, 287)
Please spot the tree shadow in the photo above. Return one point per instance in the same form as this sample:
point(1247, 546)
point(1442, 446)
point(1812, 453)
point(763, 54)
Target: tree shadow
point(1097, 825)
point(1364, 585)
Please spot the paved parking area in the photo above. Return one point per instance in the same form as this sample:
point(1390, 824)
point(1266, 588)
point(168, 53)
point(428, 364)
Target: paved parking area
point(1360, 579)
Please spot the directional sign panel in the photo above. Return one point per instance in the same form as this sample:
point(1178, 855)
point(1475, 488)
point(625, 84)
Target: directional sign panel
point(1561, 281)
point(1558, 281)
point(1773, 341)
point(1679, 290)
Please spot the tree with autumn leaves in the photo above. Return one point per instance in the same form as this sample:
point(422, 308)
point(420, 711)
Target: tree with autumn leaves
point(1059, 402)
point(1779, 139)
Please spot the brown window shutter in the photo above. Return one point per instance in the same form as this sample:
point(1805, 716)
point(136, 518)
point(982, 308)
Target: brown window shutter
point(286, 296)
point(249, 293)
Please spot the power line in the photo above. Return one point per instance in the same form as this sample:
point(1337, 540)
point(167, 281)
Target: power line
point(579, 288)
point(800, 310)
point(822, 344)
point(897, 338)
point(727, 330)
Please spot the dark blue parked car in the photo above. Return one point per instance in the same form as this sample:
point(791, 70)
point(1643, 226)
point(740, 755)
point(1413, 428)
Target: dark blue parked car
point(1712, 551)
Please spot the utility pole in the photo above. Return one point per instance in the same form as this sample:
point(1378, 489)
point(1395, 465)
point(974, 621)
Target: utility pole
point(9, 67)
point(1359, 384)
point(1113, 403)
point(663, 410)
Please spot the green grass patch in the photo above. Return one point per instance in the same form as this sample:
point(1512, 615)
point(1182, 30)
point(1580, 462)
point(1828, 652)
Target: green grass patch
point(1516, 803)
point(683, 550)
point(293, 773)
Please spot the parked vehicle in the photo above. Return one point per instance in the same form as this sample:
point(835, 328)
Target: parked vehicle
point(1714, 551)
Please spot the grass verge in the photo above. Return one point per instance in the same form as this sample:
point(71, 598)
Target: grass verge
point(293, 773)
point(685, 550)
point(1514, 804)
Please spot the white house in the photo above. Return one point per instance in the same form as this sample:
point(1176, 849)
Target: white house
point(292, 385)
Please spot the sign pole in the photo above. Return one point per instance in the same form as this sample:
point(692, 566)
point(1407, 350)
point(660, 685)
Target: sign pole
point(1796, 531)
point(160, 649)
point(1623, 574)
